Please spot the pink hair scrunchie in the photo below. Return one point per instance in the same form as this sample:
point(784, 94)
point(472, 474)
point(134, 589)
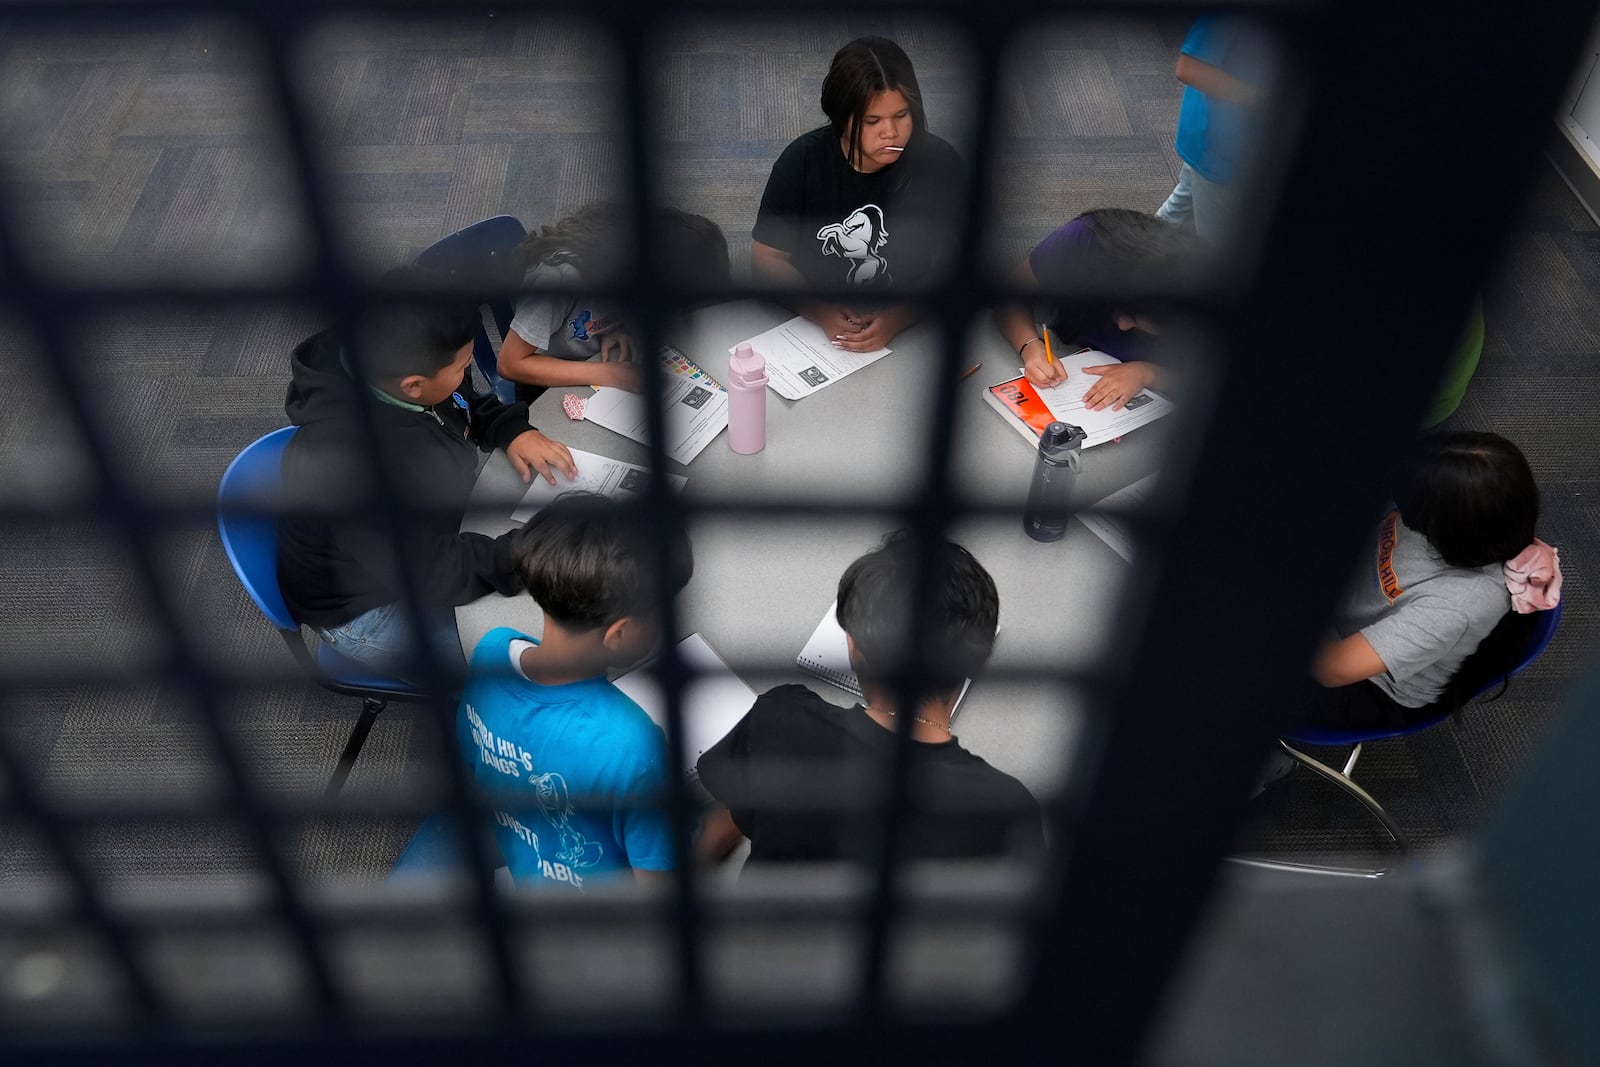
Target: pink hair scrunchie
point(1534, 578)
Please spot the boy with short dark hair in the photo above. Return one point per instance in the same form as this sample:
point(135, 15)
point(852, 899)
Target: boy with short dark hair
point(339, 574)
point(800, 777)
point(574, 770)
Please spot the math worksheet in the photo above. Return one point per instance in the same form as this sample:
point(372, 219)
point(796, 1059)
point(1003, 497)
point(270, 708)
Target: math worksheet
point(596, 474)
point(695, 413)
point(801, 358)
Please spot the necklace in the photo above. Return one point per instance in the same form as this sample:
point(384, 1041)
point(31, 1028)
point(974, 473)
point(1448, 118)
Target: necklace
point(918, 718)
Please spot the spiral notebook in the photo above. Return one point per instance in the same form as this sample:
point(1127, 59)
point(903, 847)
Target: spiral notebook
point(827, 657)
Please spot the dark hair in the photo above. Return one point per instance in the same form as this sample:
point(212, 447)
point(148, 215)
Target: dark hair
point(1472, 495)
point(593, 241)
point(860, 70)
point(1130, 250)
point(587, 562)
point(876, 596)
point(402, 339)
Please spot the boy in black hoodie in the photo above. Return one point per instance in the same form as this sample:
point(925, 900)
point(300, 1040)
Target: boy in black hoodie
point(340, 574)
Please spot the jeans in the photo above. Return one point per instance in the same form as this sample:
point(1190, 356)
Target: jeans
point(1207, 207)
point(383, 640)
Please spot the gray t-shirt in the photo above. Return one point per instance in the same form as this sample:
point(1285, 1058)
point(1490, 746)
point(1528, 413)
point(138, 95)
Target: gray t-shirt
point(1422, 616)
point(557, 324)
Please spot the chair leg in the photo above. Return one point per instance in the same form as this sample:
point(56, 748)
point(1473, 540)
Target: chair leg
point(1349, 786)
point(352, 748)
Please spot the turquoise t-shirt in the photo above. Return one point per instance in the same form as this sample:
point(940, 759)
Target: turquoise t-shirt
point(1213, 134)
point(574, 774)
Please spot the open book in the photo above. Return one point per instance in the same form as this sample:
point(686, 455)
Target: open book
point(1030, 408)
point(712, 704)
point(827, 657)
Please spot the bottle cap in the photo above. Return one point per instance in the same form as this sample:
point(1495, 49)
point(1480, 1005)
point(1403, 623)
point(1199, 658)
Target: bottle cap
point(747, 366)
point(1061, 437)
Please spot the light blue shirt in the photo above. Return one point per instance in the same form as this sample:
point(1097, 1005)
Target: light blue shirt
point(574, 774)
point(1213, 134)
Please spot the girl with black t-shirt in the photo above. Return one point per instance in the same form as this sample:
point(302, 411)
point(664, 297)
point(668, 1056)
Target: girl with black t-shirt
point(864, 202)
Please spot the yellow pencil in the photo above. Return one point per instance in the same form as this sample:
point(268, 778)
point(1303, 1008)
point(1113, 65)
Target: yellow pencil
point(1049, 356)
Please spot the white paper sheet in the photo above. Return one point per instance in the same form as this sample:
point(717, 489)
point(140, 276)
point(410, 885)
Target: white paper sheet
point(1066, 400)
point(1112, 531)
point(596, 474)
point(695, 415)
point(712, 704)
point(801, 358)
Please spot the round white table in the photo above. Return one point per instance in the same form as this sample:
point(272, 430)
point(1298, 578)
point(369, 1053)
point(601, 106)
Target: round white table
point(761, 584)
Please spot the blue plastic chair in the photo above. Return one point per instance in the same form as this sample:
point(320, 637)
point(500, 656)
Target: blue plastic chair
point(250, 537)
point(482, 255)
point(1509, 649)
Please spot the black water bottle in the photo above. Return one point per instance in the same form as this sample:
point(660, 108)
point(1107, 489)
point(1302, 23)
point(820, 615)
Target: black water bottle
point(1055, 472)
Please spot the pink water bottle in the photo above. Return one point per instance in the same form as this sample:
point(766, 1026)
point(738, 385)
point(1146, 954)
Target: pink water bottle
point(747, 401)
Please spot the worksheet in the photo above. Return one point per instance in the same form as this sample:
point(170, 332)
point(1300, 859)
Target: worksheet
point(695, 413)
point(596, 474)
point(1029, 408)
point(1113, 531)
point(1066, 400)
point(801, 358)
point(712, 704)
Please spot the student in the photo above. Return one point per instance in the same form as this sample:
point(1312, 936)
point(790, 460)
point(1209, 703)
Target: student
point(865, 202)
point(1224, 67)
point(1435, 582)
point(1100, 249)
point(794, 751)
point(341, 575)
point(553, 335)
point(574, 769)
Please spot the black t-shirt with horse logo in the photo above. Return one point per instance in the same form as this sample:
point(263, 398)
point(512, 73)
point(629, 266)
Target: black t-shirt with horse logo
point(845, 229)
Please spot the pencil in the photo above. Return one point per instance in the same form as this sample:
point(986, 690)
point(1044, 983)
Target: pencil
point(969, 372)
point(1049, 356)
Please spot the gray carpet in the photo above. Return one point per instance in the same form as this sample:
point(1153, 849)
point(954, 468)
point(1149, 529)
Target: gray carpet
point(152, 151)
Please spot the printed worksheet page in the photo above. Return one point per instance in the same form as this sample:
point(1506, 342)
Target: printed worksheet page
point(801, 358)
point(1066, 401)
point(695, 414)
point(596, 474)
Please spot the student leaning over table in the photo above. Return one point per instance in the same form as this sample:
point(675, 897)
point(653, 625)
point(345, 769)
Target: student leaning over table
point(1106, 248)
point(553, 336)
point(794, 750)
point(866, 202)
point(573, 770)
point(339, 574)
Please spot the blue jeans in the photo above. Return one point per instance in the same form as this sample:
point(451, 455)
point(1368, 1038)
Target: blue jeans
point(383, 640)
point(1207, 207)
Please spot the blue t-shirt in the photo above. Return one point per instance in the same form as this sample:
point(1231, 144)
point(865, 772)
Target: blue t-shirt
point(1212, 133)
point(564, 768)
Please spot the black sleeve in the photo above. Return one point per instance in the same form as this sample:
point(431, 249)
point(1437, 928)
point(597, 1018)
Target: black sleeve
point(493, 423)
point(455, 568)
point(782, 202)
point(723, 769)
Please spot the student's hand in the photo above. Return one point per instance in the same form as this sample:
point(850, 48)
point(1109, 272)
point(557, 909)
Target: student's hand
point(835, 319)
point(616, 345)
point(1118, 384)
point(1040, 369)
point(874, 332)
point(626, 376)
point(533, 451)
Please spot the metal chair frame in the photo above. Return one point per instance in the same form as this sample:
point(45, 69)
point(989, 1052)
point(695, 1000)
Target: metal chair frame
point(243, 537)
point(1538, 640)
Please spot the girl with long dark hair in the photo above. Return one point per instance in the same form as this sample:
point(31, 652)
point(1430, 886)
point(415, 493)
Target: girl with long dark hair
point(864, 202)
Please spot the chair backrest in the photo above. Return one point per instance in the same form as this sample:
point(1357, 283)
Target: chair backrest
point(255, 478)
point(1514, 643)
point(481, 255)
